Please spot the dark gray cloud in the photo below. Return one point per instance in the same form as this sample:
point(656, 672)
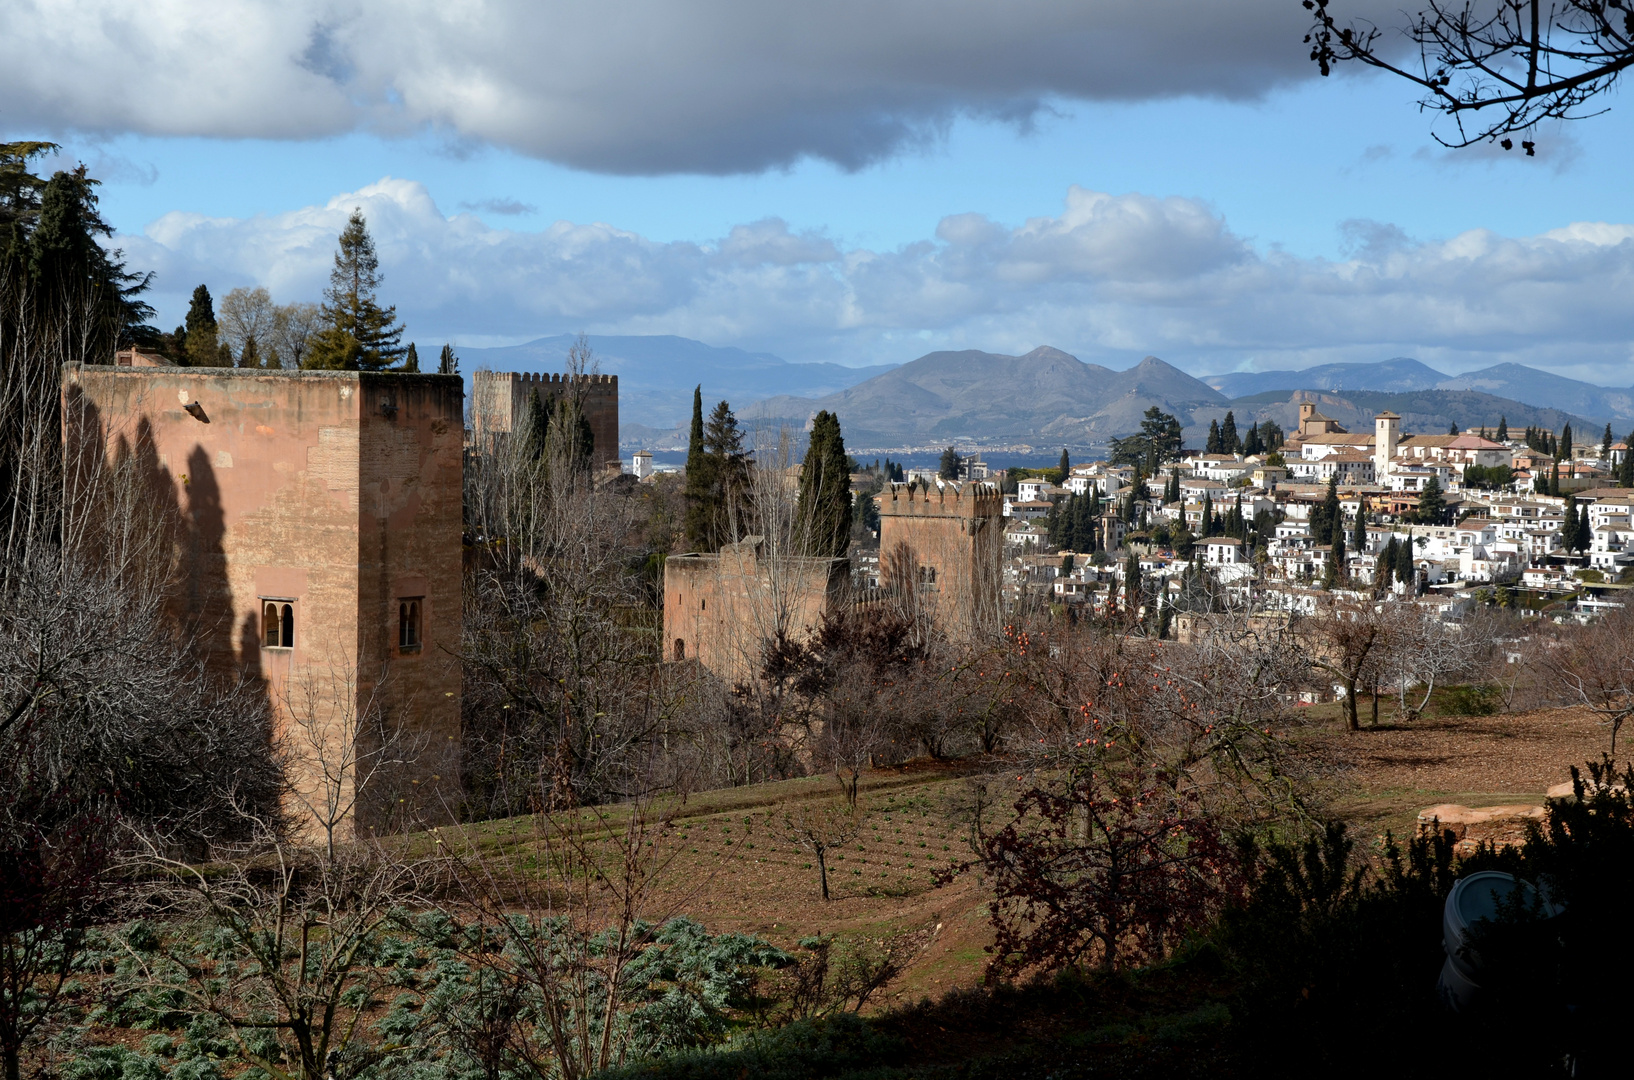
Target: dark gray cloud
point(638, 86)
point(1110, 278)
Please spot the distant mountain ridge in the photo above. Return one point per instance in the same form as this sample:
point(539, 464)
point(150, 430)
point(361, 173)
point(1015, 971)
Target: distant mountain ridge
point(1516, 382)
point(1045, 396)
point(657, 373)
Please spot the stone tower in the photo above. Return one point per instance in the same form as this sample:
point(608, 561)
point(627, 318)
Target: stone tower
point(1386, 434)
point(952, 538)
point(317, 518)
point(499, 399)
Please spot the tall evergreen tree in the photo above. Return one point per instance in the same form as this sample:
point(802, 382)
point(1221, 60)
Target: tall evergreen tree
point(1503, 430)
point(1565, 443)
point(1605, 445)
point(1625, 474)
point(1338, 555)
point(1253, 444)
point(411, 359)
point(1131, 585)
point(360, 335)
point(447, 362)
point(824, 507)
point(1432, 506)
point(1358, 537)
point(1554, 480)
point(1212, 445)
point(948, 468)
point(1452, 429)
point(1208, 516)
point(251, 356)
point(203, 345)
point(1385, 568)
point(1064, 469)
point(1569, 526)
point(1331, 520)
point(1229, 442)
point(1406, 570)
point(701, 508)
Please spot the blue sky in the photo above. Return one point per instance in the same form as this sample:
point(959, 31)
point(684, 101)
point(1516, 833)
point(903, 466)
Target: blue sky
point(844, 203)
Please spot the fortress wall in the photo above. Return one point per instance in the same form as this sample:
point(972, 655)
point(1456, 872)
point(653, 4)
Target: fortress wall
point(955, 533)
point(502, 396)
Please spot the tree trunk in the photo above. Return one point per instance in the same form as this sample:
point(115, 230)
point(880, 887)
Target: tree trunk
point(1375, 701)
point(822, 871)
point(1351, 720)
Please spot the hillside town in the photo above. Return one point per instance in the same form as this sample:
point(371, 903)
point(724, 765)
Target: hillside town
point(1451, 519)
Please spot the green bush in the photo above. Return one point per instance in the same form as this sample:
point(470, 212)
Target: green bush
point(1470, 700)
point(829, 1046)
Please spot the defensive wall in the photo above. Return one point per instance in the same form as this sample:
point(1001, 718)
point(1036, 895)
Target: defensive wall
point(500, 399)
point(317, 516)
point(952, 537)
point(720, 609)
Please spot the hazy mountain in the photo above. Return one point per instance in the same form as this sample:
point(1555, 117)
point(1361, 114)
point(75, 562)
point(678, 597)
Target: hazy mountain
point(1045, 397)
point(656, 374)
point(1422, 412)
point(1553, 391)
point(1392, 376)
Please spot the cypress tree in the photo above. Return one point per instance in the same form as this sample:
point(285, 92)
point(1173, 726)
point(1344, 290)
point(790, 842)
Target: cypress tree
point(1565, 443)
point(1131, 585)
point(1338, 554)
point(701, 511)
point(824, 507)
point(1452, 429)
point(202, 343)
point(1229, 442)
point(1385, 568)
point(1406, 572)
point(411, 360)
point(1568, 527)
point(361, 335)
point(447, 362)
point(1358, 538)
point(1625, 475)
point(1208, 515)
point(1605, 446)
point(1503, 429)
point(1064, 469)
point(1554, 479)
point(1332, 518)
point(1212, 445)
point(1431, 506)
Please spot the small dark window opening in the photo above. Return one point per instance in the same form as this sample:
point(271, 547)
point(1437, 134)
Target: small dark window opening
point(680, 649)
point(408, 624)
point(269, 626)
point(703, 605)
point(287, 630)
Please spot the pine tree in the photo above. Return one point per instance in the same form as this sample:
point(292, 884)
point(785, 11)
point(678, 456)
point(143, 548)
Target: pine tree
point(1503, 430)
point(721, 512)
point(447, 362)
point(1212, 445)
point(948, 469)
point(411, 360)
point(1229, 442)
point(361, 335)
point(824, 507)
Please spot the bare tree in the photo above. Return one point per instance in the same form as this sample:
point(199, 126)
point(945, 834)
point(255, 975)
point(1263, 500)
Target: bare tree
point(293, 328)
point(1349, 639)
point(246, 315)
point(1595, 669)
point(1495, 69)
point(820, 825)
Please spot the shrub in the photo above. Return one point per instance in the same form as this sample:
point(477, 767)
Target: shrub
point(1471, 700)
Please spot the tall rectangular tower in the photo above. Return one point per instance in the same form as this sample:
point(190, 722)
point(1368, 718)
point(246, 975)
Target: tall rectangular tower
point(949, 537)
point(499, 399)
point(317, 515)
point(1386, 434)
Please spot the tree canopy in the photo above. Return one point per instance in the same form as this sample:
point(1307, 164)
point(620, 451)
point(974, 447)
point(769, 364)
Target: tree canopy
point(1159, 437)
point(824, 508)
point(360, 334)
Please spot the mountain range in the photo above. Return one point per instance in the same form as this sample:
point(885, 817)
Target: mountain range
point(1402, 374)
point(656, 374)
point(1046, 396)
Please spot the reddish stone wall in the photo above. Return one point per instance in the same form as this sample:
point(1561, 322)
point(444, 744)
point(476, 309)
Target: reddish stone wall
point(334, 492)
point(719, 610)
point(955, 534)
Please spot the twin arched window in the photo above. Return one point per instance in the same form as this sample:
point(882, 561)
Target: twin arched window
point(277, 625)
point(408, 625)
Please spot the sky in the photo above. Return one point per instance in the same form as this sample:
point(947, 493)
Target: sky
point(852, 182)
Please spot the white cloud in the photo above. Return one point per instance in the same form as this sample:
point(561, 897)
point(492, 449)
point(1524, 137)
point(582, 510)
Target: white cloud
point(631, 86)
point(1110, 278)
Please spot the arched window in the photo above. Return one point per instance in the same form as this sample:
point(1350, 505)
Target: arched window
point(408, 624)
point(287, 634)
point(269, 626)
point(703, 605)
point(680, 649)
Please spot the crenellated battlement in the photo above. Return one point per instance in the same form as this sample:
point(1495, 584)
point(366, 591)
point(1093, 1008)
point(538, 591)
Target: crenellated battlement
point(976, 499)
point(554, 378)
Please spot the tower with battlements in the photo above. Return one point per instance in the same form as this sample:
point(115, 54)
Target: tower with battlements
point(948, 538)
point(499, 399)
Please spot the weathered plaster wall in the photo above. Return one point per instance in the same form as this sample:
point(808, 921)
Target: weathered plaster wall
point(303, 488)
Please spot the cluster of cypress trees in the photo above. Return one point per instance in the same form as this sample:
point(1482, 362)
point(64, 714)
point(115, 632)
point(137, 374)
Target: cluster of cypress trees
point(718, 504)
point(1223, 438)
point(1395, 563)
point(1074, 523)
point(1576, 534)
point(1543, 441)
point(823, 512)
